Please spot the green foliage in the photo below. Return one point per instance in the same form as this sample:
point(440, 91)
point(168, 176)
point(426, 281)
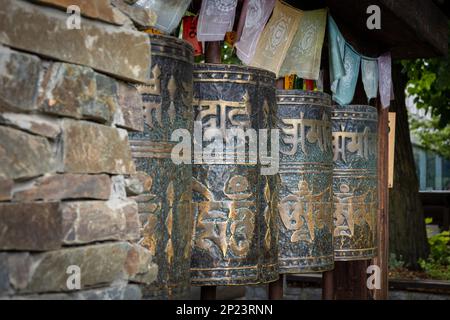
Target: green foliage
point(431, 136)
point(228, 55)
point(437, 265)
point(429, 84)
point(396, 262)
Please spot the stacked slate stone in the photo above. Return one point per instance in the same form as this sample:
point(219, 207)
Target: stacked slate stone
point(67, 178)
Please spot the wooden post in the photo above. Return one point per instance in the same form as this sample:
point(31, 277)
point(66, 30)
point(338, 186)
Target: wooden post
point(383, 202)
point(276, 289)
point(212, 52)
point(328, 285)
point(208, 293)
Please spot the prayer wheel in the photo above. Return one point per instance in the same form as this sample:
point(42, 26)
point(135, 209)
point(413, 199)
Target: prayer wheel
point(305, 191)
point(165, 208)
point(355, 182)
point(235, 231)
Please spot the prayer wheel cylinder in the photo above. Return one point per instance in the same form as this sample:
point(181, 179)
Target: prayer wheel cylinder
point(235, 231)
point(165, 208)
point(355, 194)
point(305, 191)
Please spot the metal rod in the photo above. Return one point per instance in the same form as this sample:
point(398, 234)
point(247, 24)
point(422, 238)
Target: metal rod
point(212, 52)
point(280, 83)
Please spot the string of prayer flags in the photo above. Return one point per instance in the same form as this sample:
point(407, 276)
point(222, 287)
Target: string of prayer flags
point(385, 79)
point(304, 54)
point(346, 85)
point(230, 38)
point(336, 44)
point(169, 12)
point(289, 82)
point(215, 19)
point(309, 85)
point(258, 12)
point(369, 74)
point(344, 70)
point(190, 33)
point(276, 37)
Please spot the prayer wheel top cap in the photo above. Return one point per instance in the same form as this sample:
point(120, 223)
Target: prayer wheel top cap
point(364, 111)
point(302, 97)
point(263, 74)
point(171, 47)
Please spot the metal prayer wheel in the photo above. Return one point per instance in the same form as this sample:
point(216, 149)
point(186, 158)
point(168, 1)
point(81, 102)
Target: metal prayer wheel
point(235, 231)
point(166, 208)
point(306, 173)
point(355, 194)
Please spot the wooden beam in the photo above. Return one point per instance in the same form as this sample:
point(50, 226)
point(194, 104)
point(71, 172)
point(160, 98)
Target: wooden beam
point(427, 21)
point(425, 37)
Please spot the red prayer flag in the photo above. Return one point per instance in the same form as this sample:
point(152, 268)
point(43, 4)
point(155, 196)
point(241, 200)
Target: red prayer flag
point(190, 34)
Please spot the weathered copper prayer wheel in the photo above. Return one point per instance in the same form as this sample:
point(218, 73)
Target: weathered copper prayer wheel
point(166, 208)
point(235, 231)
point(306, 172)
point(355, 182)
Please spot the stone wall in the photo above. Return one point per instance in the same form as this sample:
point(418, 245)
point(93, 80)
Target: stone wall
point(67, 179)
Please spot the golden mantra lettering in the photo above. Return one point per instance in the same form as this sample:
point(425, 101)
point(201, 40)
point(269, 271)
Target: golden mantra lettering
point(215, 218)
point(215, 113)
point(303, 212)
point(319, 132)
point(351, 210)
point(363, 143)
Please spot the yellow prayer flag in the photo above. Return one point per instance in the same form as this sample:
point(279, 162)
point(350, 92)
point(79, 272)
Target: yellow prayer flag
point(276, 37)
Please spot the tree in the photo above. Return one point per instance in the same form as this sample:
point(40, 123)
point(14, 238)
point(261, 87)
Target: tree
point(407, 235)
point(429, 84)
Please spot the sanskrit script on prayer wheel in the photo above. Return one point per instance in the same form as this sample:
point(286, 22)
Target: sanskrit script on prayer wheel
point(166, 207)
point(355, 182)
point(235, 240)
point(306, 172)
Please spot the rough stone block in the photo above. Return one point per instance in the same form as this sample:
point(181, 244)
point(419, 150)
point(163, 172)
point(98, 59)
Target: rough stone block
point(100, 265)
point(89, 221)
point(6, 186)
point(143, 17)
point(93, 148)
point(129, 114)
point(37, 124)
point(24, 155)
point(64, 186)
point(30, 226)
point(121, 52)
point(19, 78)
point(98, 9)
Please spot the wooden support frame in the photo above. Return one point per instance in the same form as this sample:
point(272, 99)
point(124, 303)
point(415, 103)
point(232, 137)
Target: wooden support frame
point(383, 203)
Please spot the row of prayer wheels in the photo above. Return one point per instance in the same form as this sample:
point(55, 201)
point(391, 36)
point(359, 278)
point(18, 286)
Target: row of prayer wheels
point(217, 220)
